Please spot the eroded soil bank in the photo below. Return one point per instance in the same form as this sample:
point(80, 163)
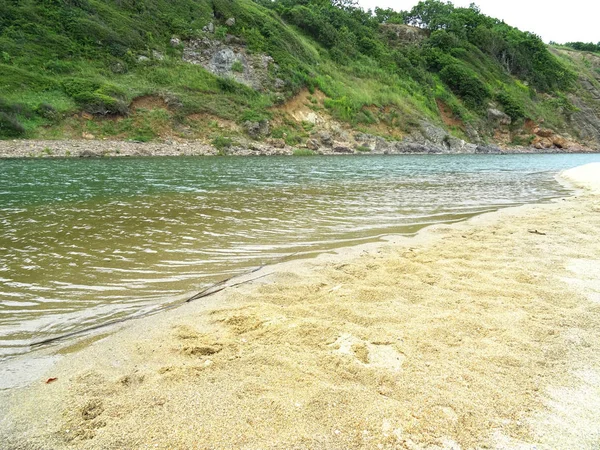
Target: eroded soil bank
point(484, 334)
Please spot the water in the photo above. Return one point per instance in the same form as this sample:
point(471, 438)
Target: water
point(83, 242)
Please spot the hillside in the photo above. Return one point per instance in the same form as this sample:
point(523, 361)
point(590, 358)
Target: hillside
point(304, 75)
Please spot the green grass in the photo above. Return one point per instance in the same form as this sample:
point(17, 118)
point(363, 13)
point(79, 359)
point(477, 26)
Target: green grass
point(221, 143)
point(59, 59)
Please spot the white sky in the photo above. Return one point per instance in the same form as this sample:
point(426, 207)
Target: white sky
point(559, 21)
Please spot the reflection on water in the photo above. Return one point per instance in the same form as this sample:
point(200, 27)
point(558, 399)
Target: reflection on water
point(86, 241)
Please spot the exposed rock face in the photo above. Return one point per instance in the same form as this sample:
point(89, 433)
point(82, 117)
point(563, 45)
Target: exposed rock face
point(546, 138)
point(542, 143)
point(278, 84)
point(339, 147)
point(472, 134)
point(586, 120)
point(488, 149)
point(230, 59)
point(326, 138)
point(174, 42)
point(96, 148)
point(498, 118)
point(88, 154)
point(312, 144)
point(405, 33)
point(223, 60)
point(277, 143)
point(560, 142)
point(230, 22)
point(257, 130)
point(543, 132)
point(432, 139)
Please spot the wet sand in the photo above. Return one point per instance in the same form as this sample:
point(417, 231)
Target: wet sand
point(484, 334)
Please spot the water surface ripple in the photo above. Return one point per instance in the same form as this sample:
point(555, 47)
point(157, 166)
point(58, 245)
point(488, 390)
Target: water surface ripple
point(87, 241)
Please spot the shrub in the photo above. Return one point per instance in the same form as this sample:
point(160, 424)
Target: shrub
point(60, 67)
point(95, 97)
point(100, 104)
point(47, 111)
point(465, 83)
point(237, 66)
point(221, 32)
point(511, 107)
point(227, 85)
point(443, 40)
point(363, 149)
point(144, 134)
point(77, 86)
point(254, 116)
point(112, 91)
point(436, 59)
point(221, 142)
point(254, 39)
point(14, 109)
point(583, 46)
point(10, 126)
point(293, 139)
point(118, 67)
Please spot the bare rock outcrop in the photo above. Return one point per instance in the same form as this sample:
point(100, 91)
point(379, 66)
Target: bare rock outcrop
point(229, 58)
point(586, 121)
point(498, 118)
point(404, 33)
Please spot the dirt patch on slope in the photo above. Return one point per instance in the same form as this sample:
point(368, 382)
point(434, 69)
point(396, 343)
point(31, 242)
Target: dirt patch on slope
point(149, 102)
point(305, 107)
point(448, 117)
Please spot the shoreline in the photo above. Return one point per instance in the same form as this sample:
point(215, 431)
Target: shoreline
point(10, 149)
point(312, 334)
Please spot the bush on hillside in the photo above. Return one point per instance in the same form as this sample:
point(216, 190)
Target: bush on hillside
point(464, 83)
point(10, 126)
point(47, 112)
point(444, 40)
point(522, 54)
point(95, 97)
point(584, 46)
point(100, 104)
point(511, 106)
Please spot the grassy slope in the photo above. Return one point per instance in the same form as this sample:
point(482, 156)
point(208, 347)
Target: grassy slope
point(61, 57)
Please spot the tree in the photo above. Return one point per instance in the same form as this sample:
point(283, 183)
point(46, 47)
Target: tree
point(430, 14)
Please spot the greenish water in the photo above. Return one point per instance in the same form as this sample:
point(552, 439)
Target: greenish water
point(83, 242)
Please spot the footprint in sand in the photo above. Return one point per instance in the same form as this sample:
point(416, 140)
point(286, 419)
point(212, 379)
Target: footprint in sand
point(196, 344)
point(383, 356)
point(92, 409)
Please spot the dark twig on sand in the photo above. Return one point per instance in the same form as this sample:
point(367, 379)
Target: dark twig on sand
point(537, 232)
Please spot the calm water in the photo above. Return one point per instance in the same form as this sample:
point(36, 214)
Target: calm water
point(87, 241)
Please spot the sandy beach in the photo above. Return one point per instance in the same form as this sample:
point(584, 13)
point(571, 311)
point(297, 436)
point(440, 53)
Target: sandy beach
point(482, 334)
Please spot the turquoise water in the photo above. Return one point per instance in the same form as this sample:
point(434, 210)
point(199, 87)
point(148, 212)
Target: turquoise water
point(83, 242)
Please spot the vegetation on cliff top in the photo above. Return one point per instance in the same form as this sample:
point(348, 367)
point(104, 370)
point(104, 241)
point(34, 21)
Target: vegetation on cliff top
point(584, 46)
point(64, 63)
